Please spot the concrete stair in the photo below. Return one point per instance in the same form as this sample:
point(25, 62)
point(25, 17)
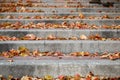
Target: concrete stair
point(67, 2)
point(63, 45)
point(71, 10)
point(57, 67)
point(40, 66)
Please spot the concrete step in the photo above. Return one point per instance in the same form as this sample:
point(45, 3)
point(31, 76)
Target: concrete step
point(59, 16)
point(61, 33)
point(77, 0)
point(89, 24)
point(52, 3)
point(59, 1)
point(45, 1)
point(55, 4)
point(40, 68)
point(117, 5)
point(65, 46)
point(104, 9)
point(67, 13)
point(98, 10)
point(59, 10)
point(47, 14)
point(66, 66)
point(98, 22)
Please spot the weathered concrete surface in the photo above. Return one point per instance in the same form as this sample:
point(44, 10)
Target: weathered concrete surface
point(61, 14)
point(88, 21)
point(61, 32)
point(98, 9)
point(83, 2)
point(39, 68)
point(67, 12)
point(62, 4)
point(76, 9)
point(87, 15)
point(66, 0)
point(117, 5)
point(63, 46)
point(59, 10)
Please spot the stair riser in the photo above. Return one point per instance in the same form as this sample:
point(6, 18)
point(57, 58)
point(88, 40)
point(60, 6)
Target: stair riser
point(90, 22)
point(97, 10)
point(62, 4)
point(86, 4)
point(70, 12)
point(73, 14)
point(41, 68)
point(65, 0)
point(61, 33)
point(74, 9)
point(64, 46)
point(47, 13)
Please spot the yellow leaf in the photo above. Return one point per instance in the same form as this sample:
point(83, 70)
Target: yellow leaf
point(48, 77)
